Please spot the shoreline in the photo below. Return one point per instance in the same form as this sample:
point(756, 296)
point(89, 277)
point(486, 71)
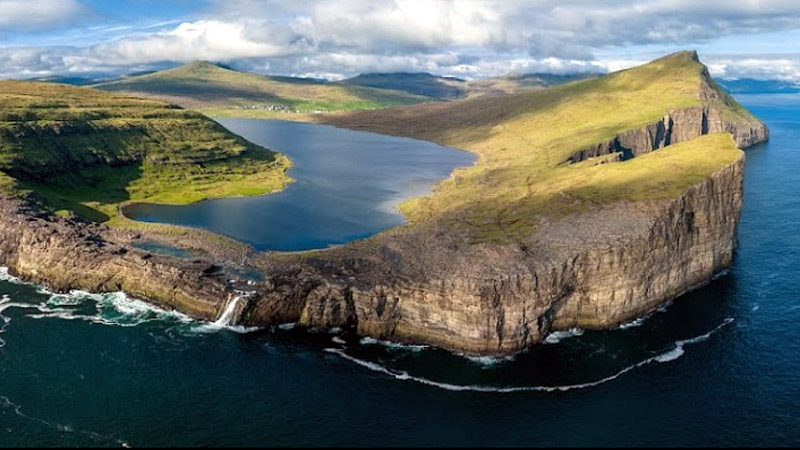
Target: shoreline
point(296, 288)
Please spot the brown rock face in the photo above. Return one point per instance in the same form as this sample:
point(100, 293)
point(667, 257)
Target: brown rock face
point(593, 270)
point(66, 255)
point(422, 284)
point(676, 127)
point(489, 299)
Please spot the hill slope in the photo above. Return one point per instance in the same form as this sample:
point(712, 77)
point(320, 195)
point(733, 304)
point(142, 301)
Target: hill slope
point(525, 141)
point(221, 91)
point(87, 150)
point(449, 88)
point(426, 84)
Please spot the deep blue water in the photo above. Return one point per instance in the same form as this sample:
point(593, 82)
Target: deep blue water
point(720, 366)
point(348, 184)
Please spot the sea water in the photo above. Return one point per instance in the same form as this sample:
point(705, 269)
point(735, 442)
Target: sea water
point(719, 366)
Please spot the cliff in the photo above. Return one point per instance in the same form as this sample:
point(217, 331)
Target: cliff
point(546, 232)
point(87, 151)
point(594, 269)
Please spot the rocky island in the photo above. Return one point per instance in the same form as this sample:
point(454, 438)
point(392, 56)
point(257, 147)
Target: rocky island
point(591, 204)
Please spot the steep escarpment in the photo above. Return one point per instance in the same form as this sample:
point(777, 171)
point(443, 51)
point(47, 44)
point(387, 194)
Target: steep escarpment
point(592, 269)
point(522, 244)
point(544, 233)
point(87, 151)
point(66, 254)
point(675, 127)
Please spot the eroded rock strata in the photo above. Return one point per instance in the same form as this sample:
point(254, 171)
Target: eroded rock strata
point(425, 284)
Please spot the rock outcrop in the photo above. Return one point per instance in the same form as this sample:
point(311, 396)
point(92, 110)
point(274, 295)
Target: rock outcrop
point(67, 254)
point(426, 283)
point(592, 270)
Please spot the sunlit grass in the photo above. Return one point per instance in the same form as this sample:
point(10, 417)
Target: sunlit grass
point(524, 139)
point(89, 151)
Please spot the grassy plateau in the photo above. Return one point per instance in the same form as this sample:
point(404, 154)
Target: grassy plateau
point(524, 139)
point(221, 92)
point(88, 151)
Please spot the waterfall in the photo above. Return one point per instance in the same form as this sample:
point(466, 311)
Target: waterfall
point(228, 317)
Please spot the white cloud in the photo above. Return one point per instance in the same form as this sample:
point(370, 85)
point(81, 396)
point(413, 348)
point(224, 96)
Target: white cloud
point(458, 37)
point(31, 15)
point(781, 67)
point(205, 39)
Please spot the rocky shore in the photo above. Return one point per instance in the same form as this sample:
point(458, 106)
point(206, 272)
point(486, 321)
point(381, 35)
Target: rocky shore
point(423, 284)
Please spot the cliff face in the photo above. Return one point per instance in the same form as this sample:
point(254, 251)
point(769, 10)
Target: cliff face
point(678, 126)
point(616, 258)
point(65, 255)
point(593, 270)
point(422, 284)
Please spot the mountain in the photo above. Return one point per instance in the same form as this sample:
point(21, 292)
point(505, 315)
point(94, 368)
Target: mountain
point(73, 80)
point(751, 86)
point(514, 83)
point(88, 151)
point(221, 91)
point(425, 84)
point(591, 204)
point(526, 141)
point(449, 88)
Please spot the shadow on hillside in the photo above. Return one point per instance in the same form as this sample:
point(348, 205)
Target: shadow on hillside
point(92, 194)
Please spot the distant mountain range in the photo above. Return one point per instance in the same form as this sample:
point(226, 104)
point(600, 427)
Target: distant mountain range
point(221, 91)
point(450, 88)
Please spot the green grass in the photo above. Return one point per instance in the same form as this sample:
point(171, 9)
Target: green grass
point(89, 151)
point(447, 88)
point(205, 85)
point(523, 140)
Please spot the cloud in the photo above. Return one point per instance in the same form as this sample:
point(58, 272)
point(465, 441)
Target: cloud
point(780, 67)
point(24, 15)
point(205, 39)
point(458, 37)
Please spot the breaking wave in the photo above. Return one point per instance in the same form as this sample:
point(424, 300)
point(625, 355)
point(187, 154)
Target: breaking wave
point(392, 345)
point(671, 355)
point(558, 336)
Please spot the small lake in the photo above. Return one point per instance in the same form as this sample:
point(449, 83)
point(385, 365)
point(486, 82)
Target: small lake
point(347, 186)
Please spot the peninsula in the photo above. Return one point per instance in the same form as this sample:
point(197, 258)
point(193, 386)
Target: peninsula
point(592, 203)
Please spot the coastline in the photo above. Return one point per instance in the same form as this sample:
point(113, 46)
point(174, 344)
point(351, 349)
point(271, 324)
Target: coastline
point(322, 289)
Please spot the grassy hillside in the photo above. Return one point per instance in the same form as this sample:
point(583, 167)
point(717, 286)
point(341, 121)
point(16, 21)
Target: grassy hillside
point(515, 83)
point(425, 84)
point(449, 88)
point(87, 151)
point(524, 139)
point(219, 91)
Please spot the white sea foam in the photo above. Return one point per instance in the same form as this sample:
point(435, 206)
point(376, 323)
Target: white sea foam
point(5, 402)
point(670, 355)
point(112, 309)
point(390, 344)
point(338, 340)
point(7, 277)
point(487, 361)
point(720, 274)
point(287, 326)
point(558, 336)
point(639, 321)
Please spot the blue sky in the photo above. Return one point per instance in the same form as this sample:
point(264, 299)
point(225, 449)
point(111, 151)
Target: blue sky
point(337, 38)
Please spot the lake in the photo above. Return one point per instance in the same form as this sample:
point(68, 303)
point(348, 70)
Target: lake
point(720, 366)
point(347, 186)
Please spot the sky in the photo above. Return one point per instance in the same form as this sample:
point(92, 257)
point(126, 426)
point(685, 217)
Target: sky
point(341, 38)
